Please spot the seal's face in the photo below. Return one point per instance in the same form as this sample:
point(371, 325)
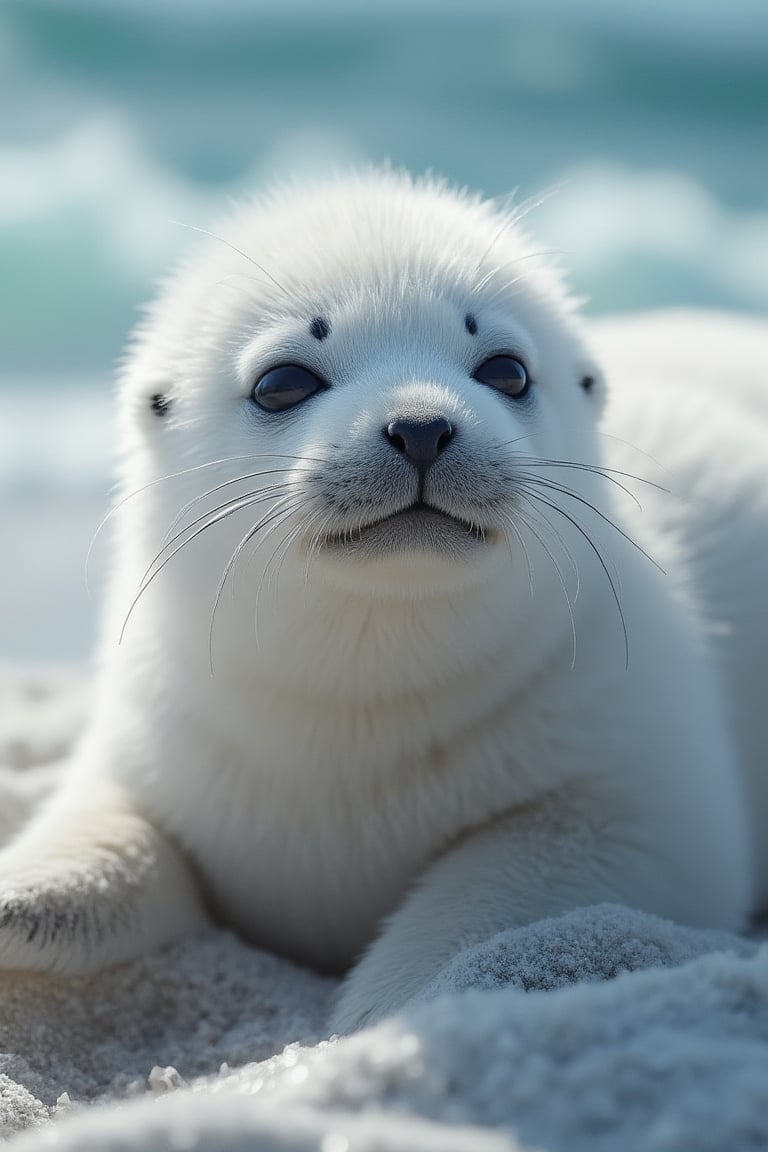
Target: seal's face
point(363, 384)
point(403, 417)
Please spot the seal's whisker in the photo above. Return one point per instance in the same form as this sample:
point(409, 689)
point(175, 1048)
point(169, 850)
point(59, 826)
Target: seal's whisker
point(635, 448)
point(314, 541)
point(174, 476)
point(281, 505)
point(515, 216)
point(150, 576)
point(554, 486)
point(239, 251)
point(598, 470)
point(229, 281)
point(498, 235)
point(219, 488)
point(297, 508)
point(213, 516)
point(517, 440)
point(273, 525)
point(533, 463)
point(519, 278)
point(580, 465)
point(542, 254)
point(561, 578)
point(601, 560)
point(285, 549)
point(288, 501)
point(521, 540)
point(484, 281)
point(504, 287)
point(283, 512)
point(531, 203)
point(270, 572)
point(537, 516)
point(274, 517)
point(580, 523)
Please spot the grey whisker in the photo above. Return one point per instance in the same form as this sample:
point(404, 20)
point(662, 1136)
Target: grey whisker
point(274, 515)
point(266, 568)
point(505, 287)
point(150, 576)
point(579, 528)
point(635, 448)
point(511, 522)
point(174, 476)
point(287, 504)
point(314, 541)
point(487, 279)
point(598, 470)
point(284, 549)
point(234, 248)
point(537, 516)
point(214, 515)
point(534, 463)
point(219, 488)
point(281, 547)
point(558, 570)
point(514, 217)
point(554, 486)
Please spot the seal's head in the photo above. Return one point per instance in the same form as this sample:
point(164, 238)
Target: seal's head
point(357, 387)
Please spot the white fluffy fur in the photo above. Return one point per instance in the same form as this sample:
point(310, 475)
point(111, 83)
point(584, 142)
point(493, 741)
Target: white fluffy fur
point(371, 762)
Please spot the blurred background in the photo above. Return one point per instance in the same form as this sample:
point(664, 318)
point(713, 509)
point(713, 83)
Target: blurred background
point(649, 123)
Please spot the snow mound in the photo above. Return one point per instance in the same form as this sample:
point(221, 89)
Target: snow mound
point(602, 1029)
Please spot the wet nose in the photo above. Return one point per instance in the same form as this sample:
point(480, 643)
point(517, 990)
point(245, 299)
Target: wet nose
point(421, 442)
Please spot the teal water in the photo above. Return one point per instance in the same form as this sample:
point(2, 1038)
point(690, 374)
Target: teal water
point(647, 123)
point(117, 117)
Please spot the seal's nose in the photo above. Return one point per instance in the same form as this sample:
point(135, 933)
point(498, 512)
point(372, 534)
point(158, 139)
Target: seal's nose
point(421, 442)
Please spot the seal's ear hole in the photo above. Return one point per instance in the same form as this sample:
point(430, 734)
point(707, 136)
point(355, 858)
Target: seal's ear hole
point(592, 383)
point(160, 403)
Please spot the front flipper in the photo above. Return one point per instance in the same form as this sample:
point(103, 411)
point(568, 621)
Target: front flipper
point(561, 854)
point(91, 883)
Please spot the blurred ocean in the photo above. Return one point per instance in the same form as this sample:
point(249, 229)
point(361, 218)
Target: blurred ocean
point(648, 122)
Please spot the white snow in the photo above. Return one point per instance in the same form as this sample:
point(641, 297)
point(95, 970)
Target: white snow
point(604, 1029)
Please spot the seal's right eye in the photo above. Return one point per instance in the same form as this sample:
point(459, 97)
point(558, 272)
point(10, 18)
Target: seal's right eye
point(285, 387)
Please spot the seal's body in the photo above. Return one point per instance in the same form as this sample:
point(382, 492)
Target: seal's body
point(389, 661)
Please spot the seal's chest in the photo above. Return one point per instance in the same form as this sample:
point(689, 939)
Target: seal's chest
point(311, 883)
point(307, 862)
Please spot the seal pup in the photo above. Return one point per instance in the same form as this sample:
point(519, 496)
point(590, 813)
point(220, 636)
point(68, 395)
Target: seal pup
point(388, 663)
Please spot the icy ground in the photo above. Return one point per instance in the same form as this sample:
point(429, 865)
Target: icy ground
point(605, 1029)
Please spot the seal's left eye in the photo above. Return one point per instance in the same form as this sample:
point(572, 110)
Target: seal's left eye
point(285, 386)
point(506, 373)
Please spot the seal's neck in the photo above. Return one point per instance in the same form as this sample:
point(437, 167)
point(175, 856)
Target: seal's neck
point(333, 645)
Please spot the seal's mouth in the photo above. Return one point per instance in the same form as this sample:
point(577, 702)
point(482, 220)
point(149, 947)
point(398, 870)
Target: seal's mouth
point(419, 527)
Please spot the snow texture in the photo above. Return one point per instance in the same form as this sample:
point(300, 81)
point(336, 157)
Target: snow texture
point(603, 1029)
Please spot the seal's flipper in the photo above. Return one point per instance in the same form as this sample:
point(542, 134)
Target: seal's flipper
point(90, 883)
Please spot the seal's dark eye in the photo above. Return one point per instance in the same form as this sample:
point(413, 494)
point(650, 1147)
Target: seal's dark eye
point(286, 386)
point(506, 374)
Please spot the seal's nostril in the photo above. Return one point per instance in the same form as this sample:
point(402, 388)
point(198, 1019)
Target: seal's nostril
point(395, 436)
point(445, 438)
point(420, 441)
